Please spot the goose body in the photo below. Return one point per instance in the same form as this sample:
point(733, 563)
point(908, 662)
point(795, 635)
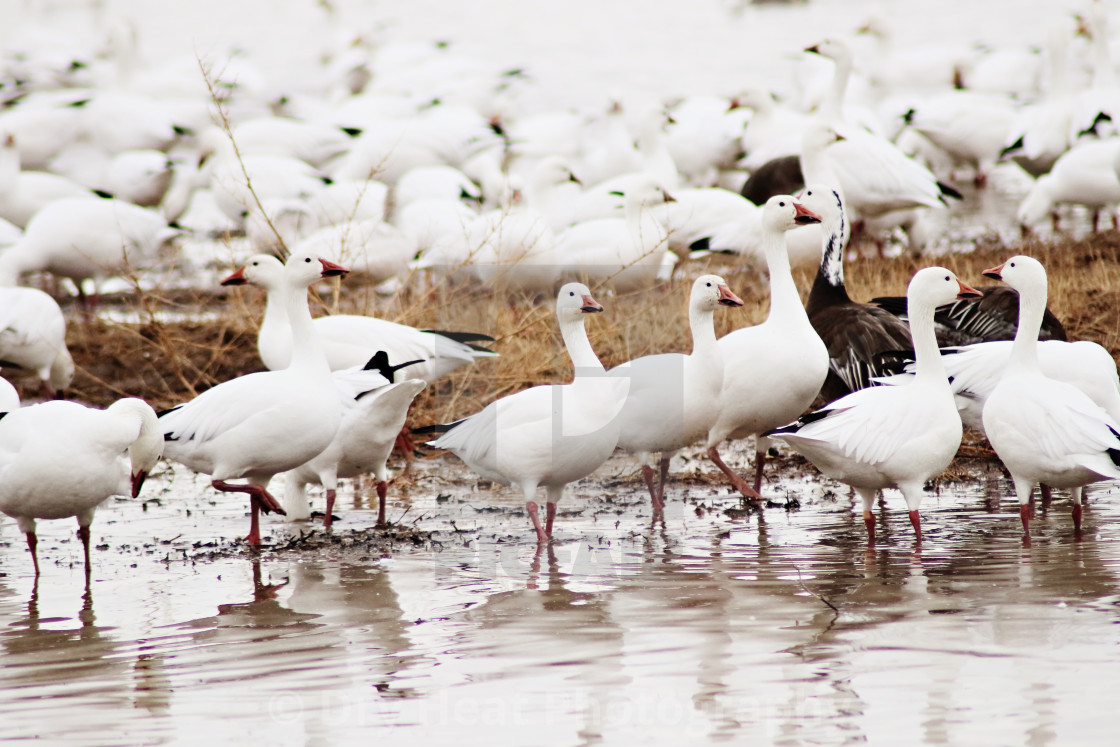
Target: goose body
point(1084, 175)
point(854, 333)
point(60, 459)
point(673, 399)
point(86, 239)
point(1044, 430)
point(891, 436)
point(547, 435)
point(772, 371)
point(627, 252)
point(24, 193)
point(261, 424)
point(33, 337)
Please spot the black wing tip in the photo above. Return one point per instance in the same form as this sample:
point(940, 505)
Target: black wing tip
point(436, 428)
point(460, 336)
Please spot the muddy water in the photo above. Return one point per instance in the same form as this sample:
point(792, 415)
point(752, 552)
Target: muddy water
point(709, 626)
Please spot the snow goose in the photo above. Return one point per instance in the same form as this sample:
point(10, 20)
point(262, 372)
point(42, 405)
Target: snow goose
point(37, 440)
point(547, 435)
point(312, 142)
point(628, 252)
point(24, 193)
point(970, 127)
point(774, 370)
point(672, 399)
point(350, 340)
point(1084, 175)
point(1096, 110)
point(854, 333)
point(554, 190)
point(261, 424)
point(773, 131)
point(1043, 430)
point(896, 437)
point(86, 239)
point(33, 337)
point(371, 248)
point(366, 434)
point(1041, 130)
point(271, 177)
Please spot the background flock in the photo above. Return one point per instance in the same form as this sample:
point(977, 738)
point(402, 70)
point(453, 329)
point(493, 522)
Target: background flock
point(413, 167)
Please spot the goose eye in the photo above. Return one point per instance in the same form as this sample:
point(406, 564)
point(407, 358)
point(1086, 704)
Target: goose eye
point(1012, 264)
point(946, 278)
point(307, 259)
point(781, 204)
point(709, 285)
point(571, 293)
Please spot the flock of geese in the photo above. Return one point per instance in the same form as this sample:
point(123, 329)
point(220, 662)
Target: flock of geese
point(407, 164)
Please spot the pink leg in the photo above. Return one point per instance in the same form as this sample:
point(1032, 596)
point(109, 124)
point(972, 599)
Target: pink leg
point(1025, 516)
point(1077, 519)
point(329, 515)
point(916, 522)
point(664, 479)
point(259, 500)
point(1046, 493)
point(737, 482)
point(531, 507)
point(759, 461)
point(869, 522)
point(32, 543)
point(382, 492)
point(550, 516)
point(83, 534)
point(647, 473)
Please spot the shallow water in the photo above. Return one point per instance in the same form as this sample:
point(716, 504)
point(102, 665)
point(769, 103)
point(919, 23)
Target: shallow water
point(706, 627)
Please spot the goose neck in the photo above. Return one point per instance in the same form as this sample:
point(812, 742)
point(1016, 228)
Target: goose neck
point(701, 322)
point(785, 301)
point(927, 355)
point(829, 282)
point(578, 345)
point(1024, 350)
point(307, 352)
point(832, 107)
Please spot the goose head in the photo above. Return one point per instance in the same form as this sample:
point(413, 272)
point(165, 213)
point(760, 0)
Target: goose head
point(147, 448)
point(823, 200)
point(646, 193)
point(818, 136)
point(937, 286)
point(554, 171)
point(575, 300)
point(264, 270)
point(832, 48)
point(710, 291)
point(1024, 274)
point(305, 268)
point(782, 213)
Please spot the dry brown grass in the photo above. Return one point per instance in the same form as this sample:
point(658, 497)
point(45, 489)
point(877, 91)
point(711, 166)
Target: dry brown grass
point(168, 362)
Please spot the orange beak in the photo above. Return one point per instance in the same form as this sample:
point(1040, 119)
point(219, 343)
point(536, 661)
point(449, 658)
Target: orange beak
point(237, 278)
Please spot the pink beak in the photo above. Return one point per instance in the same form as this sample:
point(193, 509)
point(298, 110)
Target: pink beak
point(967, 291)
point(330, 269)
point(727, 298)
point(803, 215)
point(138, 482)
point(590, 305)
point(995, 273)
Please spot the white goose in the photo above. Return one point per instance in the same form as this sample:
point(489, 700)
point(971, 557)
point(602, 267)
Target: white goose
point(672, 399)
point(24, 193)
point(1084, 175)
point(891, 436)
point(628, 252)
point(1043, 430)
point(374, 409)
point(60, 459)
point(772, 371)
point(262, 424)
point(33, 337)
point(350, 340)
point(86, 239)
point(366, 435)
point(546, 435)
